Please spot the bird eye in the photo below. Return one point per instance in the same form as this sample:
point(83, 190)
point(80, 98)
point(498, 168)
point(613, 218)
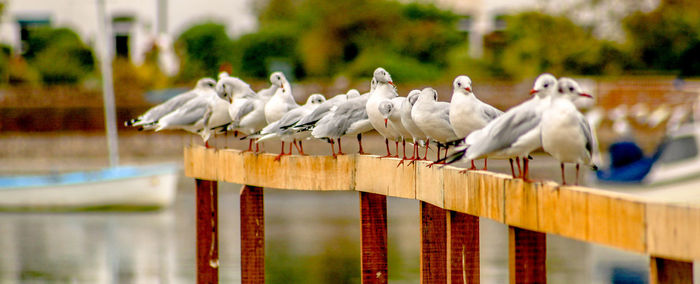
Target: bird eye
point(561, 91)
point(459, 84)
point(546, 85)
point(571, 89)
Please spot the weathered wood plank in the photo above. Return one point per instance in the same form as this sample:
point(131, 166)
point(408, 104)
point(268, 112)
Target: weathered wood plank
point(207, 231)
point(381, 176)
point(521, 203)
point(673, 231)
point(491, 196)
point(563, 211)
point(462, 248)
point(373, 238)
point(433, 256)
point(527, 256)
point(667, 271)
point(200, 163)
point(455, 189)
point(252, 235)
point(320, 172)
point(429, 184)
point(231, 166)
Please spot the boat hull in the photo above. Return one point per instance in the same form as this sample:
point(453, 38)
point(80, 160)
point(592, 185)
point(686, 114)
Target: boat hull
point(142, 191)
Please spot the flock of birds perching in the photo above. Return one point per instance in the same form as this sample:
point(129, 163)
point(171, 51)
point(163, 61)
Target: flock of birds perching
point(549, 120)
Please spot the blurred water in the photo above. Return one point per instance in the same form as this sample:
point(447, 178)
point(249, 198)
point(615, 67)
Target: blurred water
point(311, 237)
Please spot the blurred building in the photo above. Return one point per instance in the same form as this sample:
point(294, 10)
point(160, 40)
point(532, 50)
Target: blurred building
point(136, 25)
point(481, 17)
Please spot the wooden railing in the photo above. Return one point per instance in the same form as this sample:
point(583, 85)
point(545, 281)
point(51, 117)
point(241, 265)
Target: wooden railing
point(450, 206)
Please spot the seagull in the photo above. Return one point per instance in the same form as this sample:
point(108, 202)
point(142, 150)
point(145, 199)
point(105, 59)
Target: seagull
point(149, 119)
point(566, 134)
point(350, 118)
point(308, 122)
point(281, 102)
point(389, 110)
point(467, 112)
point(410, 125)
point(383, 91)
point(515, 133)
point(199, 115)
point(247, 108)
point(433, 118)
point(283, 128)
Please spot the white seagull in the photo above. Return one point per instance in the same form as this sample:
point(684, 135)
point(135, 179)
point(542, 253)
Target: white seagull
point(390, 110)
point(566, 134)
point(433, 118)
point(350, 118)
point(149, 119)
point(467, 112)
point(410, 125)
point(283, 128)
point(199, 115)
point(281, 102)
point(383, 91)
point(247, 108)
point(515, 133)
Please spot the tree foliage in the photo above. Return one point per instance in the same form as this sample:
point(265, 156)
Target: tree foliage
point(204, 48)
point(667, 38)
point(59, 55)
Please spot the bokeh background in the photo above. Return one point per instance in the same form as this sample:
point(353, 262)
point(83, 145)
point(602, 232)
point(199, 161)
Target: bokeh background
point(640, 59)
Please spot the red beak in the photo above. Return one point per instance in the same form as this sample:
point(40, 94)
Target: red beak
point(468, 89)
point(392, 83)
point(585, 95)
point(533, 91)
point(386, 121)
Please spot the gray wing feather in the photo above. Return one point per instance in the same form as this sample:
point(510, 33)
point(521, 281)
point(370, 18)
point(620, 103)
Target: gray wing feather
point(586, 128)
point(490, 112)
point(506, 129)
point(189, 116)
point(244, 109)
point(156, 112)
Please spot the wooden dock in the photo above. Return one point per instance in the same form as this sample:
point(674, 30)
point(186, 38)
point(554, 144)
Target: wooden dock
point(450, 206)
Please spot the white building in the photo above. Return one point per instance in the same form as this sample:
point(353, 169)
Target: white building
point(136, 24)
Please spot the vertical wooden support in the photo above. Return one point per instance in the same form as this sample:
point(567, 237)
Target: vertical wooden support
point(374, 238)
point(527, 256)
point(433, 255)
point(252, 235)
point(670, 271)
point(207, 232)
point(463, 248)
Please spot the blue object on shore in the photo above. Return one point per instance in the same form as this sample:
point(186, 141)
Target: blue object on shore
point(628, 163)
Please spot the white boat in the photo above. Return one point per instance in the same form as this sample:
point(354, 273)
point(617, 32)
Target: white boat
point(674, 172)
point(113, 188)
point(117, 187)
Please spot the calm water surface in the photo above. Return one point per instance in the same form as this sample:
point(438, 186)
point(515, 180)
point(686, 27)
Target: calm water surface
point(311, 237)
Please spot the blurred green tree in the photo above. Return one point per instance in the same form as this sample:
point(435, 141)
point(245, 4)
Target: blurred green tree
point(667, 37)
point(59, 55)
point(340, 36)
point(203, 48)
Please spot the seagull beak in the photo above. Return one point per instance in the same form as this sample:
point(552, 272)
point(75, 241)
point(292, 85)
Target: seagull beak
point(386, 121)
point(533, 91)
point(468, 89)
point(585, 95)
point(391, 83)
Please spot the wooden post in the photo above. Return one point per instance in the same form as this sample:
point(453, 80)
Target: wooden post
point(433, 255)
point(463, 248)
point(207, 232)
point(527, 256)
point(252, 235)
point(374, 238)
point(670, 271)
